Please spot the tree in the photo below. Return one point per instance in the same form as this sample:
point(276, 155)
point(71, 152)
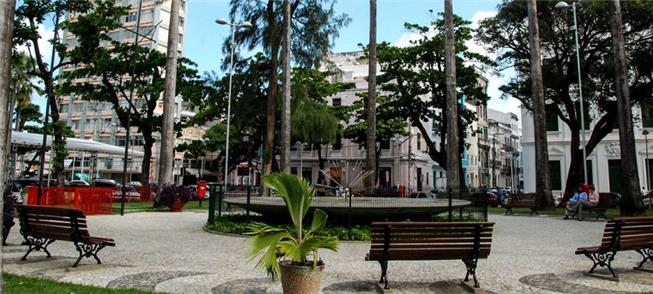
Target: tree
point(507, 35)
point(632, 197)
point(166, 155)
point(313, 28)
point(388, 125)
point(315, 122)
point(542, 174)
point(414, 80)
point(21, 90)
point(101, 16)
point(454, 176)
point(119, 65)
point(6, 30)
point(285, 118)
point(371, 100)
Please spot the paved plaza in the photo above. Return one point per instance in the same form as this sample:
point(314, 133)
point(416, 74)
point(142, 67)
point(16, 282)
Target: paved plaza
point(170, 252)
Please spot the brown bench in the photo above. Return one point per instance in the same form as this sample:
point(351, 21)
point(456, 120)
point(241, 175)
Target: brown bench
point(42, 225)
point(467, 241)
point(602, 207)
point(622, 234)
point(525, 200)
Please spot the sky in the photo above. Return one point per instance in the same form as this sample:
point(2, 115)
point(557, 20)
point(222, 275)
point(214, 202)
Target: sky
point(203, 38)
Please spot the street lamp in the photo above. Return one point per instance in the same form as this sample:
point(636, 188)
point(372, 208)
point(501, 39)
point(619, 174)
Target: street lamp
point(648, 184)
point(232, 45)
point(564, 5)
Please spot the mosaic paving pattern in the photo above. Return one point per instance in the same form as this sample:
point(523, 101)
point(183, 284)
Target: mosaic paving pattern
point(148, 281)
point(551, 282)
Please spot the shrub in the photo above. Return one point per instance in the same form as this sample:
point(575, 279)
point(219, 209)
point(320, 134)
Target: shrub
point(170, 194)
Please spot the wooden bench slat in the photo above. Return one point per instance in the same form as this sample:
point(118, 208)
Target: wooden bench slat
point(434, 240)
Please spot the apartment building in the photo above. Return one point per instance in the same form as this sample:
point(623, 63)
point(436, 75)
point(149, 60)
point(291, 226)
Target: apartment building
point(97, 121)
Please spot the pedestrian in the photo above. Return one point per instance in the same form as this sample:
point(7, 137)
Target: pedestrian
point(574, 202)
point(7, 214)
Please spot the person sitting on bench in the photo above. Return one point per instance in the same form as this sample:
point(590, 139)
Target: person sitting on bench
point(575, 201)
point(592, 201)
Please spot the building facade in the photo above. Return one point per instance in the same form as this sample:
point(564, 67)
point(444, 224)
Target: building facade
point(505, 150)
point(97, 120)
point(604, 165)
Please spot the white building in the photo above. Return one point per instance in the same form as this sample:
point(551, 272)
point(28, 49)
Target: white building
point(505, 139)
point(403, 162)
point(604, 165)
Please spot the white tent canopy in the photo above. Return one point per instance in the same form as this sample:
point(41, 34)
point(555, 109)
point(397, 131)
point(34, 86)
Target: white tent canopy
point(36, 140)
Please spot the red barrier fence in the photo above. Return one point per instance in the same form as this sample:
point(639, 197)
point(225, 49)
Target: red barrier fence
point(90, 200)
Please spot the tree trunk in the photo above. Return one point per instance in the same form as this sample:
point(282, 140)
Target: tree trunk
point(371, 157)
point(7, 8)
point(320, 163)
point(145, 165)
point(285, 118)
point(453, 150)
point(632, 197)
point(542, 173)
point(166, 156)
point(270, 118)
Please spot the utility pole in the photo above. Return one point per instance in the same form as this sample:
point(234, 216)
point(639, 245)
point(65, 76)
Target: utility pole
point(166, 157)
point(7, 8)
point(452, 144)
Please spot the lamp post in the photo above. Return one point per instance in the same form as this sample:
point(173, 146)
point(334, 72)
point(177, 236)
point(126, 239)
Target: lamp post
point(564, 5)
point(232, 45)
point(648, 184)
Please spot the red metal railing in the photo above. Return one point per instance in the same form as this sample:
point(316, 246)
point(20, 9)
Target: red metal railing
point(90, 200)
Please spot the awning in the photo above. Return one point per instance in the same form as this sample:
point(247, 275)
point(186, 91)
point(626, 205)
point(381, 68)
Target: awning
point(195, 171)
point(36, 140)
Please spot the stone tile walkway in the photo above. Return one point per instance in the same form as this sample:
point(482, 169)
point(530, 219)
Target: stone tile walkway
point(169, 252)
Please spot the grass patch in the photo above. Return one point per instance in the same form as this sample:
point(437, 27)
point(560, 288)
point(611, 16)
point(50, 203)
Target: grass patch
point(20, 284)
point(612, 212)
point(238, 224)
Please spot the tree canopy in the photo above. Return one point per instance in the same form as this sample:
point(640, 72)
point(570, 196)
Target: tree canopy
point(507, 35)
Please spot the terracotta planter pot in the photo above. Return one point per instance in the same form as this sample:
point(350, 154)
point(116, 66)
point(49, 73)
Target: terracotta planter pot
point(176, 207)
point(300, 279)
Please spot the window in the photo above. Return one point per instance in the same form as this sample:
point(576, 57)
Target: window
point(615, 174)
point(337, 101)
point(131, 17)
point(647, 116)
point(385, 144)
point(293, 170)
point(65, 108)
point(419, 141)
point(551, 122)
point(76, 124)
point(556, 176)
point(590, 176)
point(307, 173)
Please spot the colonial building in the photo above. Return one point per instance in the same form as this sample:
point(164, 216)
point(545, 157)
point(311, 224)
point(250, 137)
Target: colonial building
point(604, 165)
point(505, 139)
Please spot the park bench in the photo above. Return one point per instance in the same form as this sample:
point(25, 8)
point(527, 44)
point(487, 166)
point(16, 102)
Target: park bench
point(525, 200)
point(466, 241)
point(602, 207)
point(42, 225)
point(622, 234)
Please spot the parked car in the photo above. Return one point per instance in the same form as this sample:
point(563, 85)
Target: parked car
point(77, 183)
point(109, 183)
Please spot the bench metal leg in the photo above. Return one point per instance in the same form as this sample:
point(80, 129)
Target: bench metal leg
point(603, 260)
point(37, 244)
point(88, 250)
point(384, 273)
point(508, 211)
point(647, 254)
point(471, 263)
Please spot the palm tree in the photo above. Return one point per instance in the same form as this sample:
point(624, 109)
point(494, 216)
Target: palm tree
point(371, 100)
point(166, 157)
point(454, 177)
point(542, 182)
point(285, 118)
point(632, 204)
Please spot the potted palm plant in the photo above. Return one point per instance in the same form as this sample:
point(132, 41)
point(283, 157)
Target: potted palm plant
point(292, 252)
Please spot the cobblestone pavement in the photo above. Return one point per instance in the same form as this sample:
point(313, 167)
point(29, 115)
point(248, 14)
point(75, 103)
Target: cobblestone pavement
point(170, 252)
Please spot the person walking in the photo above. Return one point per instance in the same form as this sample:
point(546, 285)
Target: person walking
point(575, 201)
